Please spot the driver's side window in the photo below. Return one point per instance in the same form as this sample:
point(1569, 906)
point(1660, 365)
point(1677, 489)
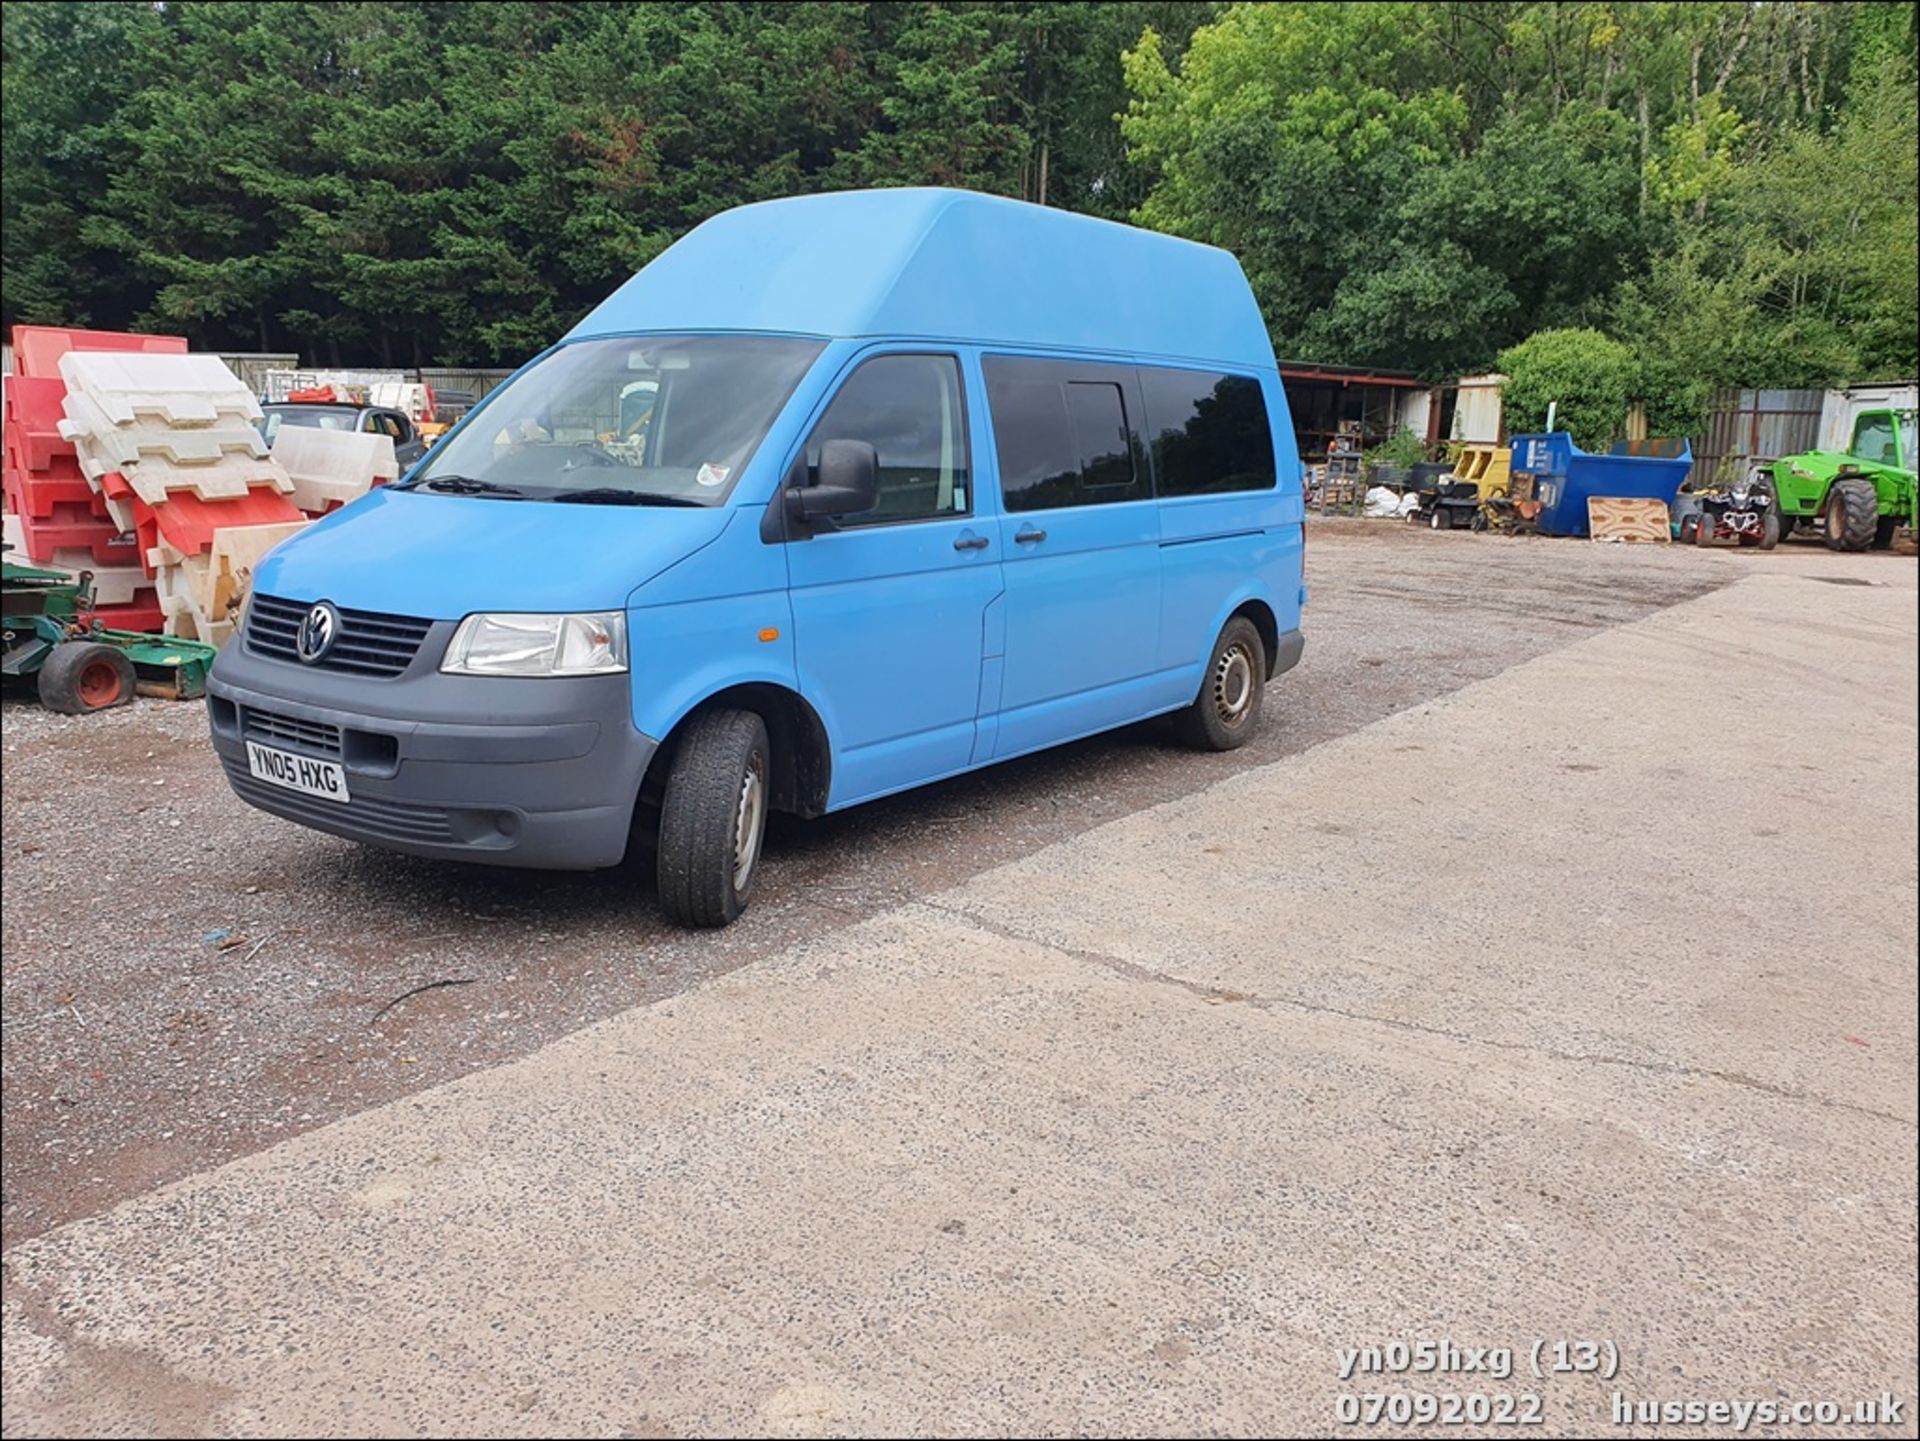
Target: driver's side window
point(909, 409)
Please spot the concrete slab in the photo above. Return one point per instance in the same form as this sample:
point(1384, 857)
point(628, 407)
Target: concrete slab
point(1430, 1032)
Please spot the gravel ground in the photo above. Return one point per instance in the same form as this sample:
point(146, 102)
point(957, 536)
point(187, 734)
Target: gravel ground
point(138, 1051)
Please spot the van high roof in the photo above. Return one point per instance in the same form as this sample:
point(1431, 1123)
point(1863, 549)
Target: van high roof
point(950, 265)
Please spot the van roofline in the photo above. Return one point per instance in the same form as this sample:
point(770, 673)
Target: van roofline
point(954, 265)
point(972, 342)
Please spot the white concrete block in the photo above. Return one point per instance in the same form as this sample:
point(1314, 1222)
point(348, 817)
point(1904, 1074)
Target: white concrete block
point(332, 465)
point(180, 390)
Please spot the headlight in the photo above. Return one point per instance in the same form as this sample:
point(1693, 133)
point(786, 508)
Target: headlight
point(594, 644)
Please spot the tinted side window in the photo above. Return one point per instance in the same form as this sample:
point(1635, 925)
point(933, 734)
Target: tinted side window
point(908, 408)
point(1209, 432)
point(1063, 432)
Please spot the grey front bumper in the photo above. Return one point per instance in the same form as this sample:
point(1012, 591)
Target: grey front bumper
point(534, 773)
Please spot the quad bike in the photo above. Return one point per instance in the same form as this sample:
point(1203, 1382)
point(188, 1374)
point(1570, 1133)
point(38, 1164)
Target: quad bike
point(1743, 514)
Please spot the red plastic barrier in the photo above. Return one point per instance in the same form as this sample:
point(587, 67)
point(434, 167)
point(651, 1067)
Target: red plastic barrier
point(37, 348)
point(143, 614)
point(72, 526)
point(36, 496)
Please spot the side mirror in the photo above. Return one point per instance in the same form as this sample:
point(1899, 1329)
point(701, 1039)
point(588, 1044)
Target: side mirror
point(849, 482)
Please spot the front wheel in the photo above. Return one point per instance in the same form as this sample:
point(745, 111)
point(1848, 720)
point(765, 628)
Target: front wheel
point(713, 818)
point(1440, 518)
point(1226, 713)
point(1852, 514)
point(1770, 530)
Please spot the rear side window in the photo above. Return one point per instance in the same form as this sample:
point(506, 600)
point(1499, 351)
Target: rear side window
point(908, 408)
point(1209, 432)
point(1065, 433)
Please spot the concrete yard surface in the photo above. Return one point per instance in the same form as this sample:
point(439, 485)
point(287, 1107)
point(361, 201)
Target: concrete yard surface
point(1578, 1004)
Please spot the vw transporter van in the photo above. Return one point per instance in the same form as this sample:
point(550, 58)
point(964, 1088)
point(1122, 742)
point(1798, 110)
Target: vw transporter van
point(840, 495)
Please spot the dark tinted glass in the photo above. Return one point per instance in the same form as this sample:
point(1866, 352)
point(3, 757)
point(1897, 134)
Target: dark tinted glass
point(1209, 432)
point(1100, 434)
point(907, 407)
point(1062, 432)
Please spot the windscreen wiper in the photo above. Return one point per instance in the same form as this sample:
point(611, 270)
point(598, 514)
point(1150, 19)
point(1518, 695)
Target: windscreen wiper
point(612, 495)
point(463, 485)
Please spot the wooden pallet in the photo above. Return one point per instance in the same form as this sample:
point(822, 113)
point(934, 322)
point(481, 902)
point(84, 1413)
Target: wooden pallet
point(1614, 518)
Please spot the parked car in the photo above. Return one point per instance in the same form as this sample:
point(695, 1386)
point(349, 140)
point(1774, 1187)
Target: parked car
point(840, 495)
point(408, 446)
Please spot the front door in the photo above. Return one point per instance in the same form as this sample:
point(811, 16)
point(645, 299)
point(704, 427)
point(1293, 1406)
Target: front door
point(889, 606)
point(1081, 537)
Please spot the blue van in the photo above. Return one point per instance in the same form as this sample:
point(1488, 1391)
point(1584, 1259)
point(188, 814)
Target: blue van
point(840, 495)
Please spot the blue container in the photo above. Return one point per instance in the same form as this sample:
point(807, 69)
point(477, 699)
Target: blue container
point(1566, 477)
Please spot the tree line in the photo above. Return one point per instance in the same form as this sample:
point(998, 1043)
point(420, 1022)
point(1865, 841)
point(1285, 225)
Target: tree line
point(1728, 190)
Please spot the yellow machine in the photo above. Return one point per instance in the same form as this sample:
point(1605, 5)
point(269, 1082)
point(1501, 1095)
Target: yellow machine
point(1486, 467)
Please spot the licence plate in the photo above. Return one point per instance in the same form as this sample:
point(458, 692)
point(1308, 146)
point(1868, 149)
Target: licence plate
point(298, 773)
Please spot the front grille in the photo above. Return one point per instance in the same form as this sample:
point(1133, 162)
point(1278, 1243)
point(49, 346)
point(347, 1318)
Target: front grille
point(369, 643)
point(270, 728)
point(369, 816)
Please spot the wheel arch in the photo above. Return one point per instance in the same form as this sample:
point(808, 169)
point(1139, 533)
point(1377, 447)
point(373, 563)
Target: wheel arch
point(802, 754)
point(1256, 609)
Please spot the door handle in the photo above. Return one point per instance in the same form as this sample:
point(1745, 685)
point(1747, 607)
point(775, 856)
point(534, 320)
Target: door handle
point(1030, 537)
point(970, 542)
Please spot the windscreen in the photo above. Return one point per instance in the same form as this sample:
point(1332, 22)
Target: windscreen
point(667, 417)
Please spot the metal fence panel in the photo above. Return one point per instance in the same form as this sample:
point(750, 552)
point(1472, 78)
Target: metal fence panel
point(1744, 426)
point(475, 381)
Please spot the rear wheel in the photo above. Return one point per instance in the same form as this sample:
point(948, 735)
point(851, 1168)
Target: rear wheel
point(1852, 513)
point(79, 677)
point(713, 818)
point(1884, 532)
point(1226, 713)
point(1689, 527)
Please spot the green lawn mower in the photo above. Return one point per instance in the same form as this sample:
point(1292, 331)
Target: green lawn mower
point(76, 663)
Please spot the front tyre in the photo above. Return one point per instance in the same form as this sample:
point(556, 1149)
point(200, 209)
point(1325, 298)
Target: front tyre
point(713, 818)
point(1226, 713)
point(1770, 530)
point(1853, 513)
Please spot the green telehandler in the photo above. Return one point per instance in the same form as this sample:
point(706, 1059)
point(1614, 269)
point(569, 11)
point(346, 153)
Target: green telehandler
point(1858, 497)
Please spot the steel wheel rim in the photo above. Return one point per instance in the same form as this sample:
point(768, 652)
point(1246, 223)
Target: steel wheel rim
point(1836, 518)
point(1233, 685)
point(749, 821)
point(99, 685)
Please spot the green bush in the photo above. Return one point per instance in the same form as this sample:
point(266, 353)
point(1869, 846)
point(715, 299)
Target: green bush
point(1403, 449)
point(1591, 377)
